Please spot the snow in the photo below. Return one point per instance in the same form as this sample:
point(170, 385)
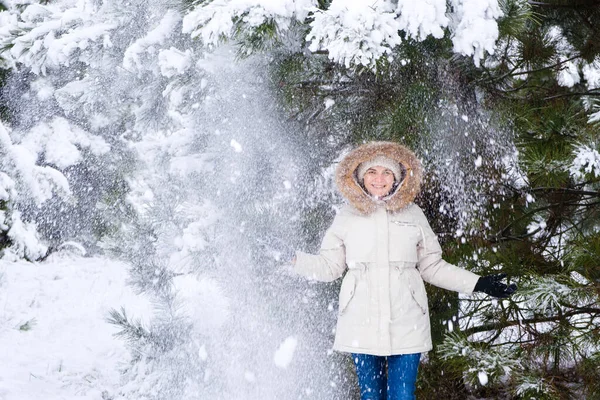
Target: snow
point(44, 88)
point(249, 376)
point(236, 146)
point(203, 353)
point(197, 295)
point(60, 50)
point(53, 35)
point(483, 378)
point(355, 32)
point(532, 385)
point(144, 47)
point(214, 21)
point(60, 142)
point(547, 294)
point(55, 342)
point(285, 353)
point(420, 19)
point(538, 225)
point(587, 161)
point(591, 74)
point(25, 238)
point(568, 75)
point(496, 363)
point(39, 182)
point(174, 62)
point(187, 165)
point(513, 172)
point(7, 186)
point(475, 28)
point(529, 198)
point(594, 117)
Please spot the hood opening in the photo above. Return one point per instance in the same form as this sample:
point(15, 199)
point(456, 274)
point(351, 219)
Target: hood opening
point(395, 187)
point(400, 196)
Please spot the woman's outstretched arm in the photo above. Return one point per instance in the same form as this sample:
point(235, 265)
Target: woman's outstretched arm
point(330, 263)
point(434, 269)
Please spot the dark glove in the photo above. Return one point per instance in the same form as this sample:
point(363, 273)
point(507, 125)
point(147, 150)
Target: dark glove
point(490, 284)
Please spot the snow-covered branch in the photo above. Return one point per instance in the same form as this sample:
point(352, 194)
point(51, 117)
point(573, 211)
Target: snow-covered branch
point(215, 20)
point(52, 35)
point(354, 32)
point(586, 162)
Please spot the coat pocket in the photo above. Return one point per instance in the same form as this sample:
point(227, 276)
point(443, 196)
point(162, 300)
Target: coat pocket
point(418, 293)
point(347, 292)
point(419, 302)
point(409, 287)
point(403, 240)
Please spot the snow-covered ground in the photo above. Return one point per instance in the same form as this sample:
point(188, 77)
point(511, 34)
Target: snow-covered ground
point(55, 342)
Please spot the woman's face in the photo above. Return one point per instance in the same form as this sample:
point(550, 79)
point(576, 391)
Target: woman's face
point(378, 181)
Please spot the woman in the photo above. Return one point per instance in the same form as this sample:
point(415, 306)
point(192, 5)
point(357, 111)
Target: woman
point(389, 249)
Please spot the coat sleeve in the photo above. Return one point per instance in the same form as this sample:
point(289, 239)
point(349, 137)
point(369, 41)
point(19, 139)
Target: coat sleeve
point(330, 263)
point(434, 269)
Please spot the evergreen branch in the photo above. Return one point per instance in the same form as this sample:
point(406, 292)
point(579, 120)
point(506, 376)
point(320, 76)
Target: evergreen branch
point(502, 233)
point(589, 308)
point(498, 238)
point(511, 73)
point(524, 86)
point(587, 21)
point(547, 190)
point(593, 92)
point(529, 321)
point(583, 3)
point(558, 64)
point(506, 75)
point(510, 342)
point(132, 331)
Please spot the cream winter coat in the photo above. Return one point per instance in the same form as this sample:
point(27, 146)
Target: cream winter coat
point(386, 249)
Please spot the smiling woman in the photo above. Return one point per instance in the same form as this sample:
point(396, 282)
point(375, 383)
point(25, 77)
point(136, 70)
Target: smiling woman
point(383, 243)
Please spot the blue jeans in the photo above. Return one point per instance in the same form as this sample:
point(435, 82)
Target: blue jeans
point(397, 382)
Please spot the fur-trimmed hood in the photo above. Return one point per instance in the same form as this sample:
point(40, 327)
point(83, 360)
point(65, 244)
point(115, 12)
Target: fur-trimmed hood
point(347, 181)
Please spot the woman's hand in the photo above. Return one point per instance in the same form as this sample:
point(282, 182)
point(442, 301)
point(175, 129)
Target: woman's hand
point(287, 266)
point(490, 284)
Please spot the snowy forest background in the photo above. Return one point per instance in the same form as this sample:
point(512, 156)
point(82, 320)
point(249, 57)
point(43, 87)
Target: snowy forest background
point(189, 146)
